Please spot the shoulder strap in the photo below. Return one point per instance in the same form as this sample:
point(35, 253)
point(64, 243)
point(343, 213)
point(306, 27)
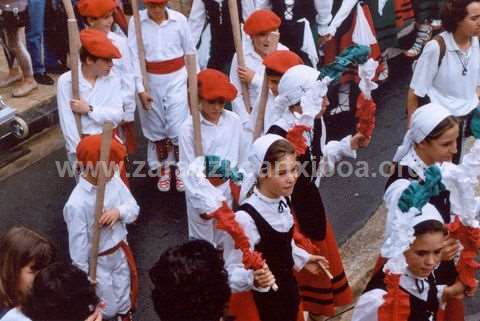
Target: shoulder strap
point(443, 48)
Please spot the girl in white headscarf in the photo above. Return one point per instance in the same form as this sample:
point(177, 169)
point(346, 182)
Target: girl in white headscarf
point(303, 99)
point(431, 139)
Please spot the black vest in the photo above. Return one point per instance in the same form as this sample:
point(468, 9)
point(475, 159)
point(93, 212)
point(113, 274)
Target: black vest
point(222, 46)
point(291, 31)
point(419, 310)
point(306, 200)
point(446, 273)
point(276, 249)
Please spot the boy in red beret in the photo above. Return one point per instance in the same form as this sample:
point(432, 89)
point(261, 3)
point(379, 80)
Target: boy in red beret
point(116, 282)
point(99, 15)
point(167, 40)
point(99, 100)
point(260, 26)
point(276, 64)
point(223, 139)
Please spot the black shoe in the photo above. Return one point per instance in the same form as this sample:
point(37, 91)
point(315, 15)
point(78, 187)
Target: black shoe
point(57, 69)
point(43, 79)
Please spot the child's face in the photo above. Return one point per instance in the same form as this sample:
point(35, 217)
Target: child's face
point(424, 255)
point(103, 23)
point(156, 11)
point(441, 149)
point(281, 177)
point(212, 109)
point(101, 67)
point(470, 25)
point(25, 279)
point(273, 84)
point(262, 42)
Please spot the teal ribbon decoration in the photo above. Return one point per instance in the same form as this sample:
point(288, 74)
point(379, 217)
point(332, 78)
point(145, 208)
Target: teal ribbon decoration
point(353, 55)
point(418, 194)
point(216, 167)
point(475, 123)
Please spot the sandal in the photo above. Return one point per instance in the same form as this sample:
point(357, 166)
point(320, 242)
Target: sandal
point(179, 185)
point(164, 180)
point(424, 34)
point(24, 89)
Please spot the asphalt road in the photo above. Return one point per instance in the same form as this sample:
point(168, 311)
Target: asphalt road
point(35, 197)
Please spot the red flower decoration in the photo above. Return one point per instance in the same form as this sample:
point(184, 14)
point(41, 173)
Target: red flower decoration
point(396, 305)
point(296, 138)
point(366, 115)
point(469, 237)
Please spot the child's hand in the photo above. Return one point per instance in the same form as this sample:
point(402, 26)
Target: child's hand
point(79, 106)
point(95, 316)
point(146, 100)
point(470, 292)
point(110, 217)
point(456, 291)
point(450, 248)
point(263, 278)
point(245, 74)
point(313, 264)
point(359, 141)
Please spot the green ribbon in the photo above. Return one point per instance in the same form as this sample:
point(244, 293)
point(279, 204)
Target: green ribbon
point(353, 55)
point(216, 167)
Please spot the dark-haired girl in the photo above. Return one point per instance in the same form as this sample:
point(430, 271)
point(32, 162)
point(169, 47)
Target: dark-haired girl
point(431, 139)
point(23, 253)
point(447, 72)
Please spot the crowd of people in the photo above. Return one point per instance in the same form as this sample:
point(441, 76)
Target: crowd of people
point(282, 97)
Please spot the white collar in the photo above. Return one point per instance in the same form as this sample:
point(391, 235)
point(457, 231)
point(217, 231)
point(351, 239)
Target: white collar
point(209, 123)
point(264, 198)
point(413, 161)
point(170, 16)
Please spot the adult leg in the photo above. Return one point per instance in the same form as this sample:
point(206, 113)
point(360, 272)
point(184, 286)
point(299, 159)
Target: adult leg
point(16, 44)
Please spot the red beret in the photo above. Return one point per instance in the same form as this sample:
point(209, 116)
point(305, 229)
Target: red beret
point(98, 45)
point(95, 8)
point(261, 21)
point(282, 60)
point(155, 1)
point(213, 84)
point(88, 151)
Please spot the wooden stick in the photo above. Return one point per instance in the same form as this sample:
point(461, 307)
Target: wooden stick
point(101, 170)
point(191, 63)
point(140, 45)
point(262, 105)
point(237, 39)
point(74, 45)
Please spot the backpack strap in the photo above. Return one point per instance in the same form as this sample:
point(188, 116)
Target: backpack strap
point(443, 48)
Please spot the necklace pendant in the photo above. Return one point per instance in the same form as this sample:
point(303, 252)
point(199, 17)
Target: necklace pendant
point(464, 71)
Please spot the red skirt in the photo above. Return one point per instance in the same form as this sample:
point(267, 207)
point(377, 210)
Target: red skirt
point(319, 294)
point(335, 46)
point(243, 308)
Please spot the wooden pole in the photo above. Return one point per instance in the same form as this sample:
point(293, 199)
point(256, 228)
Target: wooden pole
point(262, 105)
point(237, 39)
point(140, 45)
point(74, 46)
point(191, 63)
point(101, 169)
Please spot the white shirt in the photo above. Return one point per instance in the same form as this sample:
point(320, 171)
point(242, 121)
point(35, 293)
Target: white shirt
point(15, 315)
point(123, 68)
point(103, 97)
point(446, 85)
point(225, 139)
point(169, 40)
point(241, 279)
point(79, 215)
point(254, 62)
point(368, 304)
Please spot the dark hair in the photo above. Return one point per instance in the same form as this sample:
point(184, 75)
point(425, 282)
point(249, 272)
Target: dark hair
point(453, 12)
point(84, 54)
point(429, 226)
point(272, 73)
point(20, 247)
point(276, 152)
point(441, 128)
point(61, 292)
point(190, 283)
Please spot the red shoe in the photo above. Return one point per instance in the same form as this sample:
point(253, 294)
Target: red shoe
point(164, 181)
point(179, 181)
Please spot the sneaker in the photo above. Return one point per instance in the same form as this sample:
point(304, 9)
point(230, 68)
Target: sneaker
point(10, 80)
point(43, 79)
point(164, 180)
point(24, 89)
point(179, 181)
point(424, 34)
point(57, 69)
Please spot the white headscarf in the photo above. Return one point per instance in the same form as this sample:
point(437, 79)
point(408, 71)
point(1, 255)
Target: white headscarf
point(400, 235)
point(424, 120)
point(256, 158)
point(294, 84)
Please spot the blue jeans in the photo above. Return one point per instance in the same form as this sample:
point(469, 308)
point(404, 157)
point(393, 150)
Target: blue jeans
point(34, 34)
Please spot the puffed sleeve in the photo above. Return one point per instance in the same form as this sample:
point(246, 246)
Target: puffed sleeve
point(367, 305)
